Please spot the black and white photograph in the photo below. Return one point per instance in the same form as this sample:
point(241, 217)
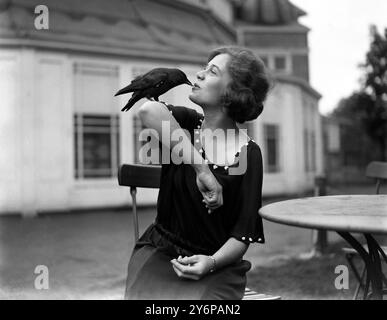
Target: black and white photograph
point(193, 150)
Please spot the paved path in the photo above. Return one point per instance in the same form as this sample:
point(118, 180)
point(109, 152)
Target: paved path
point(87, 253)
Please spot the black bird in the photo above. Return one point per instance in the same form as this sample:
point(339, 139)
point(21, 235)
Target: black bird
point(153, 84)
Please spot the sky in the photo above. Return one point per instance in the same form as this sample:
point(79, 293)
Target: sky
point(338, 42)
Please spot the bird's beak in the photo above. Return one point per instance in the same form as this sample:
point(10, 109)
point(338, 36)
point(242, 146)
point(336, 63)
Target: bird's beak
point(189, 83)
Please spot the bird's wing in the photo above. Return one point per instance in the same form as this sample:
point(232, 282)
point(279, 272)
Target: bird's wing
point(151, 79)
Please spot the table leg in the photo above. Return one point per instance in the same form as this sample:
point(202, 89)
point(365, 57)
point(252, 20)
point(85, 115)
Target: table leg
point(372, 261)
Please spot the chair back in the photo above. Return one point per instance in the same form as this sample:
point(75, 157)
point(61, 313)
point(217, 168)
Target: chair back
point(141, 176)
point(378, 171)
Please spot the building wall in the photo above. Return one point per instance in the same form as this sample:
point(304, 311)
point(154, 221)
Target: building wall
point(10, 130)
point(272, 39)
point(285, 107)
point(37, 133)
point(272, 44)
point(300, 64)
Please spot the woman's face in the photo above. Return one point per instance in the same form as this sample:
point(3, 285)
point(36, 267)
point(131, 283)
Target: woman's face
point(211, 82)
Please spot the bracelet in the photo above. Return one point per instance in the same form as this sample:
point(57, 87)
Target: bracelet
point(213, 268)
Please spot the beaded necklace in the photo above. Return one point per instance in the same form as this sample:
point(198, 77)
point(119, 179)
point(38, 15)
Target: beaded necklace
point(197, 139)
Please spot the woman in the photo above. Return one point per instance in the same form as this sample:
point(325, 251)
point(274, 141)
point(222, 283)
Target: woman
point(206, 216)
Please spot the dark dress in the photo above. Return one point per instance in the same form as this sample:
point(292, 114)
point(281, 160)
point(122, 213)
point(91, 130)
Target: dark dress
point(184, 227)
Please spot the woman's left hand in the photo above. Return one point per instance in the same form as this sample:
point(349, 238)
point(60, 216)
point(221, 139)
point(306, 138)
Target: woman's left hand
point(210, 188)
point(194, 267)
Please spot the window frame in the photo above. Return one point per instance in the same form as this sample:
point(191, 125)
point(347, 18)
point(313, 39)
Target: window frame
point(269, 168)
point(80, 128)
point(269, 59)
point(309, 138)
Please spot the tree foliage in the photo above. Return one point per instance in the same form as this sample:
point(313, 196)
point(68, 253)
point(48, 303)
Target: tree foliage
point(368, 106)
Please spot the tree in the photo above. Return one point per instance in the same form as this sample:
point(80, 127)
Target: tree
point(357, 146)
point(375, 116)
point(368, 106)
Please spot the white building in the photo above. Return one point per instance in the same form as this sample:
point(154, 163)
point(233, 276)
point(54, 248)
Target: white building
point(62, 135)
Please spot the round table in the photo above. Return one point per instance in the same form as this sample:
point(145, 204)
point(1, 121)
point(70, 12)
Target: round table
point(366, 214)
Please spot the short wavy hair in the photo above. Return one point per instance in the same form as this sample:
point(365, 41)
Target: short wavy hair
point(247, 91)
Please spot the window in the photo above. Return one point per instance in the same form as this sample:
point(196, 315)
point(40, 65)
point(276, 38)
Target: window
point(306, 150)
point(271, 134)
point(96, 146)
point(280, 63)
point(309, 138)
point(96, 121)
point(313, 150)
point(265, 61)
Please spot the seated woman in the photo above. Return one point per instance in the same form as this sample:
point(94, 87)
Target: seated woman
point(207, 210)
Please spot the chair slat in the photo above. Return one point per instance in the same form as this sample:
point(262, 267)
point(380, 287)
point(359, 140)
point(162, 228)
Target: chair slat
point(252, 295)
point(142, 176)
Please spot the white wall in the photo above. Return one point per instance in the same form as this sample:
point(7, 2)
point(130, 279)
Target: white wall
point(320, 170)
point(284, 107)
point(273, 113)
point(37, 138)
point(10, 131)
point(53, 131)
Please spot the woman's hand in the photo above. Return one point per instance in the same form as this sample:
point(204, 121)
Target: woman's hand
point(194, 267)
point(210, 188)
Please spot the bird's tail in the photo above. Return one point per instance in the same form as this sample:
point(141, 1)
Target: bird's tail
point(135, 97)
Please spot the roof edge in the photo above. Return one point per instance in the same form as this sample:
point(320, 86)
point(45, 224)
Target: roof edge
point(290, 28)
point(97, 49)
point(300, 82)
point(300, 11)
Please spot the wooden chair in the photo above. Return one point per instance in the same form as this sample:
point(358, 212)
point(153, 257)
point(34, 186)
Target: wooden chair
point(378, 171)
point(146, 176)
